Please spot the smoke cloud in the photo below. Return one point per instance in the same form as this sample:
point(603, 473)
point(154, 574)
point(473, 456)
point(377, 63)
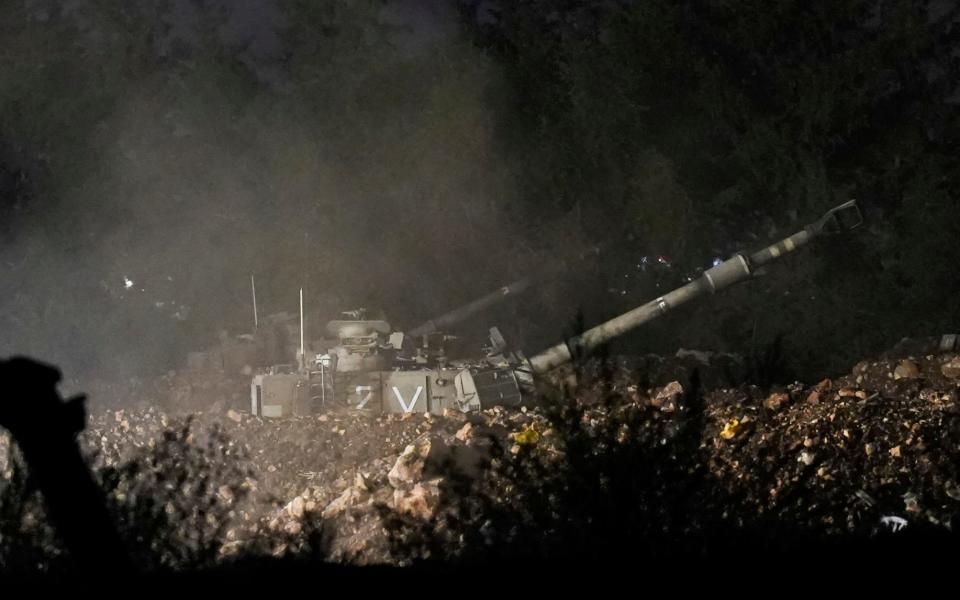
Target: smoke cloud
point(164, 155)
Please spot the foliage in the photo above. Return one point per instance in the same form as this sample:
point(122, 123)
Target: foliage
point(691, 123)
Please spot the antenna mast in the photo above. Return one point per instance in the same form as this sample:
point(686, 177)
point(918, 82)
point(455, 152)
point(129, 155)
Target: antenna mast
point(253, 287)
point(303, 354)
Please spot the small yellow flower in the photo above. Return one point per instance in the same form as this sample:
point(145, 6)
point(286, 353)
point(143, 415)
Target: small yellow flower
point(528, 436)
point(731, 429)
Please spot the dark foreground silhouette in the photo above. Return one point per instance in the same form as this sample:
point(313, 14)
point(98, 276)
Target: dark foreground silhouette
point(45, 427)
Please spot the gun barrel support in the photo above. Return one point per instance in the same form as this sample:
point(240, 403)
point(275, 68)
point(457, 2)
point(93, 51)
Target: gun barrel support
point(467, 310)
point(516, 288)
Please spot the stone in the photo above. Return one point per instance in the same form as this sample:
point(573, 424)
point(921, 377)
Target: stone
point(411, 463)
point(231, 548)
point(350, 497)
point(952, 490)
point(667, 397)
point(910, 503)
point(907, 369)
point(951, 368)
point(452, 413)
point(293, 527)
point(295, 507)
point(465, 433)
point(225, 494)
point(776, 400)
point(420, 502)
point(360, 482)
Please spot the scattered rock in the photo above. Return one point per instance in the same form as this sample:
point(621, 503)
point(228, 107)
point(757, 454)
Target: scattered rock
point(834, 446)
point(360, 482)
point(907, 369)
point(420, 501)
point(295, 508)
point(951, 369)
point(231, 548)
point(293, 527)
point(411, 463)
point(349, 498)
point(776, 400)
point(952, 490)
point(668, 397)
point(465, 433)
point(819, 390)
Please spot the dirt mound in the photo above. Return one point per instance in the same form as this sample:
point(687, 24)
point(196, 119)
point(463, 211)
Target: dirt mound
point(874, 450)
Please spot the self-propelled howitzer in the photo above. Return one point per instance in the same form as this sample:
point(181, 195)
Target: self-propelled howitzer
point(503, 377)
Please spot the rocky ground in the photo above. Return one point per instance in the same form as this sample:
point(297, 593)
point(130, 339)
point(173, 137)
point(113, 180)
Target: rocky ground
point(874, 450)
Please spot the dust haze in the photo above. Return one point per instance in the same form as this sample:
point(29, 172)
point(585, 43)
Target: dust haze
point(360, 167)
point(407, 157)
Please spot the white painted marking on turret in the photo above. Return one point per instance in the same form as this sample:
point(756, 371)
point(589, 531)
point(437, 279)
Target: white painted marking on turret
point(416, 395)
point(365, 397)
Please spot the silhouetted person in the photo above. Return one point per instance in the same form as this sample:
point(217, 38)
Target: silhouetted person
point(45, 428)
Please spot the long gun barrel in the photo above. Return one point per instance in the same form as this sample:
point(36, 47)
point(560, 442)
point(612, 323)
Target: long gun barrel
point(738, 268)
point(510, 290)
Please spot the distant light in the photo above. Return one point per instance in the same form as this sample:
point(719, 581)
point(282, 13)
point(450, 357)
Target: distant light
point(716, 262)
point(127, 282)
point(644, 260)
